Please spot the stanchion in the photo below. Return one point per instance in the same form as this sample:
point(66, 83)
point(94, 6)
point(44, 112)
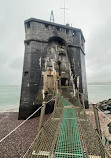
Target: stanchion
point(42, 115)
point(82, 99)
point(98, 128)
point(78, 93)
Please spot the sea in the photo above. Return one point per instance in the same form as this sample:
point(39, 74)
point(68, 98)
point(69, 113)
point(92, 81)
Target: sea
point(10, 96)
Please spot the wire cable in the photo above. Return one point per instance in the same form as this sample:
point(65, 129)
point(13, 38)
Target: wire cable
point(23, 122)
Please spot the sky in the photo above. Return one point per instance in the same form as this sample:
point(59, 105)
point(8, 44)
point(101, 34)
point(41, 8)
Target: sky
point(93, 17)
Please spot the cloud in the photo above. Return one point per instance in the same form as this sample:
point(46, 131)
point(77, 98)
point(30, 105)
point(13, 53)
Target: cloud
point(93, 17)
point(16, 64)
point(99, 52)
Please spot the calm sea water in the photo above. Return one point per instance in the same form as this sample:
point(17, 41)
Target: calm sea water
point(98, 93)
point(10, 95)
point(9, 98)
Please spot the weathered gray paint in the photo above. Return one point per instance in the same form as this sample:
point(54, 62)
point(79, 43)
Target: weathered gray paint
point(38, 33)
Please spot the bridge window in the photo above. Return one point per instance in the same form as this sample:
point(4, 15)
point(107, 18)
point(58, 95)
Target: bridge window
point(46, 26)
point(28, 25)
point(67, 31)
point(27, 43)
point(58, 28)
point(26, 73)
point(82, 41)
point(63, 30)
point(62, 53)
point(64, 82)
point(74, 33)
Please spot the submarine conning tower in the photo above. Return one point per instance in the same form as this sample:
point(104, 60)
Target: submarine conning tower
point(52, 52)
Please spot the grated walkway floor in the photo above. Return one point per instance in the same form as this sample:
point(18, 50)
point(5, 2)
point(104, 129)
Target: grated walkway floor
point(60, 137)
point(68, 144)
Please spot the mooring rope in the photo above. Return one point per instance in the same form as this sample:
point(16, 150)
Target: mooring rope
point(23, 122)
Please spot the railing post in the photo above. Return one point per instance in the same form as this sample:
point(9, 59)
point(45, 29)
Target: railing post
point(78, 93)
point(82, 98)
point(56, 87)
point(56, 99)
point(42, 115)
point(98, 128)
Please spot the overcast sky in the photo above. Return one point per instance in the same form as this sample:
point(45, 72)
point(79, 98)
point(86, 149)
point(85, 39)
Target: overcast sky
point(92, 16)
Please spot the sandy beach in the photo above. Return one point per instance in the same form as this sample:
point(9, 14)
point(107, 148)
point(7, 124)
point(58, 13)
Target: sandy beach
point(18, 142)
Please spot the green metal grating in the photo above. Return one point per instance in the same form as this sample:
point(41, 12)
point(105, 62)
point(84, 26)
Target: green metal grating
point(65, 102)
point(60, 138)
point(68, 144)
point(61, 126)
point(69, 113)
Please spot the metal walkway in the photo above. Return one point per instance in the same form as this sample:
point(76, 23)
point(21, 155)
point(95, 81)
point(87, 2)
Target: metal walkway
point(68, 144)
point(60, 137)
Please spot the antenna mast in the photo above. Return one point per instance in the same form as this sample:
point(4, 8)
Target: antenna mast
point(64, 8)
point(52, 16)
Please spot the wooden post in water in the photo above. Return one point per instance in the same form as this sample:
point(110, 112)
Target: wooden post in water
point(42, 115)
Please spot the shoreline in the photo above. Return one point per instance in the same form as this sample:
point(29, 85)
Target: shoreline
point(18, 142)
point(14, 108)
point(16, 145)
